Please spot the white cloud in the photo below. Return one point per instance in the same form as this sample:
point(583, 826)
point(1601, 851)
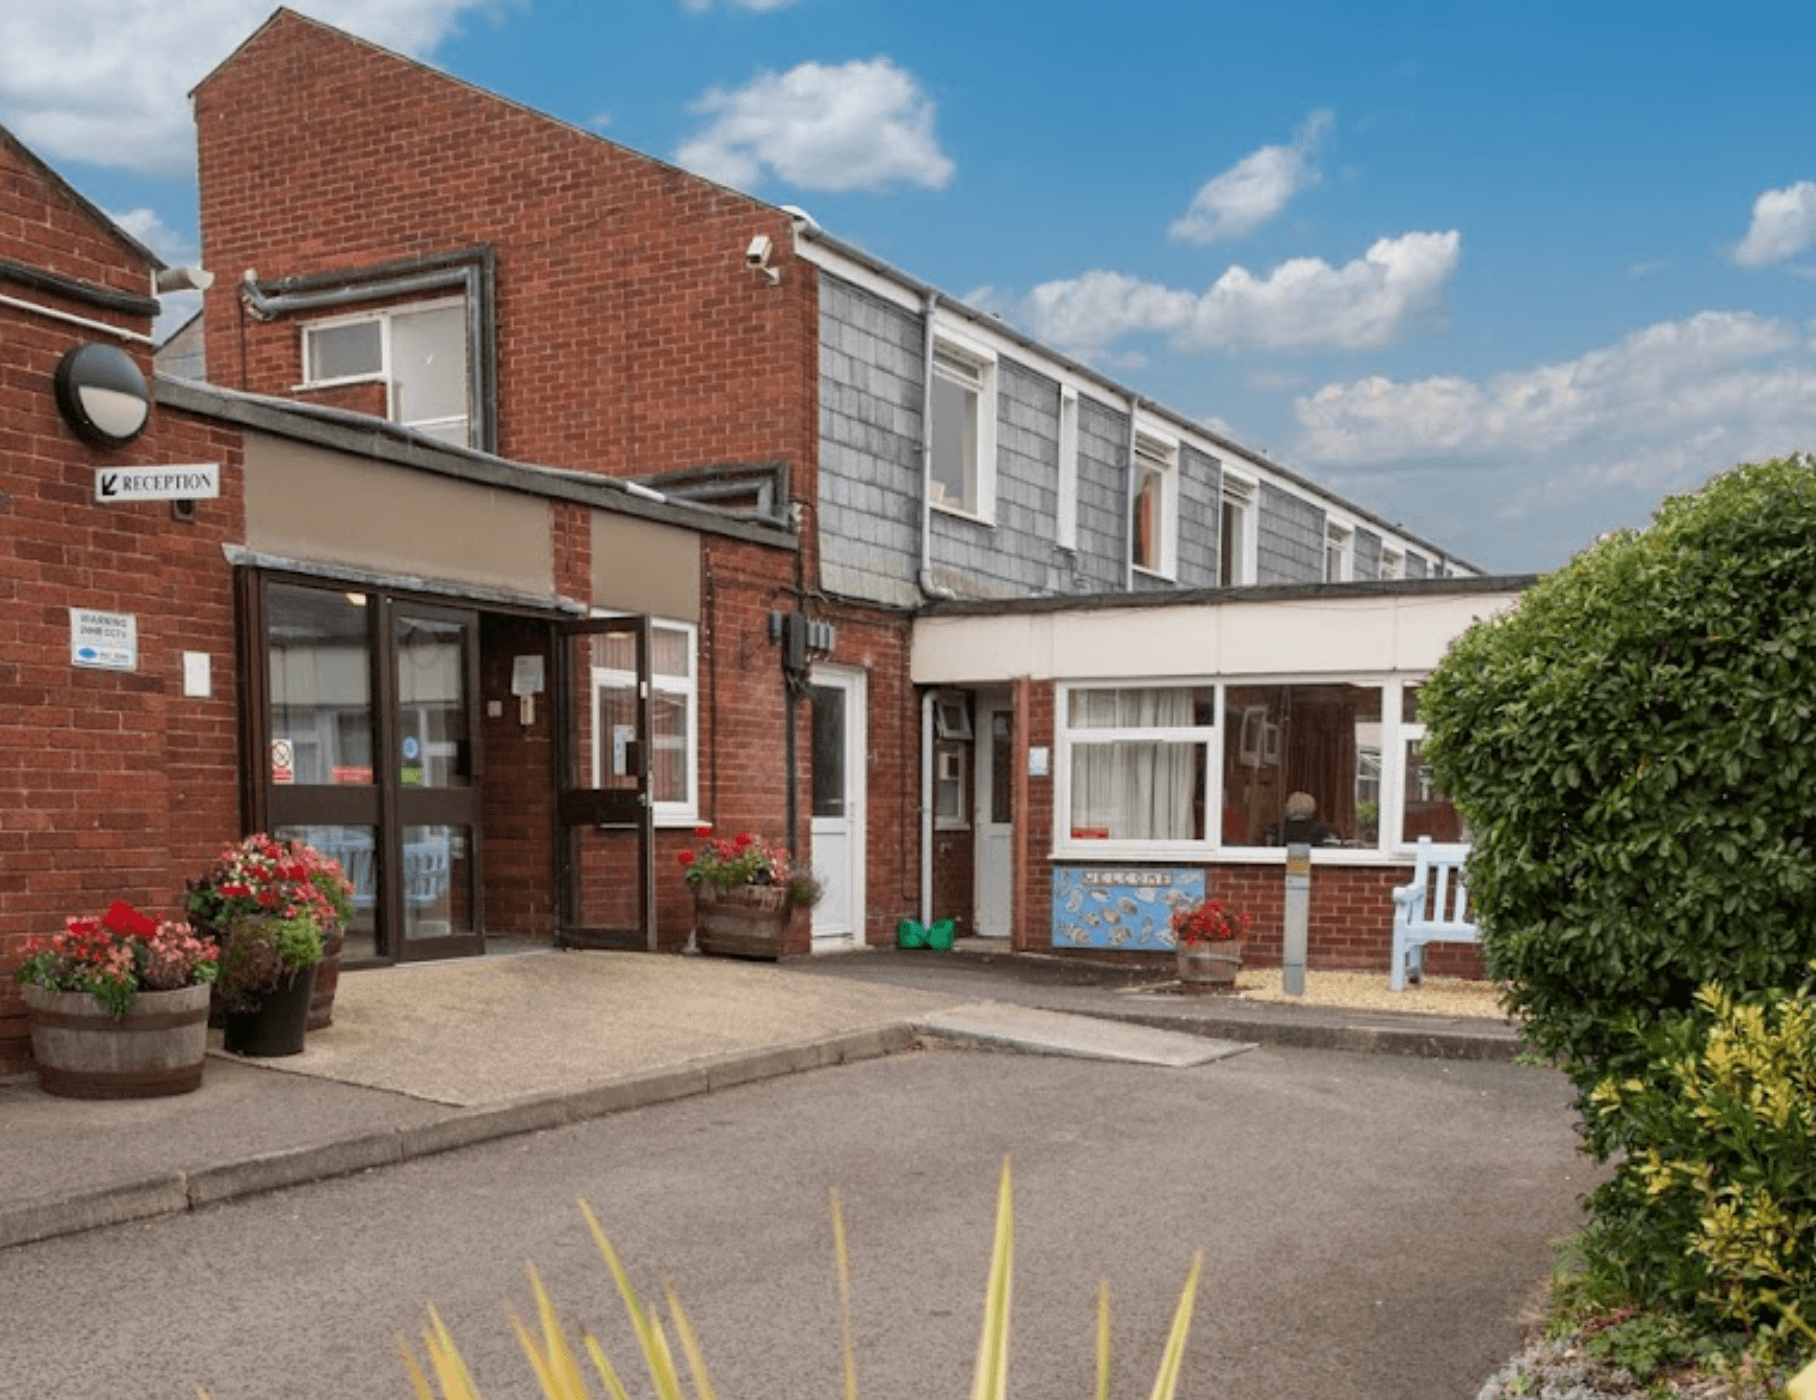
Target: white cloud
point(1253, 190)
point(1303, 304)
point(1585, 443)
point(859, 126)
point(1784, 224)
point(1655, 382)
point(107, 81)
point(760, 6)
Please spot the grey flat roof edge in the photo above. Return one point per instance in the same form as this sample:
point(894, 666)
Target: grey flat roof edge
point(1253, 593)
point(365, 436)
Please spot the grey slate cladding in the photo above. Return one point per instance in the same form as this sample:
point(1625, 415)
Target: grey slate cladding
point(870, 484)
point(1289, 538)
point(870, 435)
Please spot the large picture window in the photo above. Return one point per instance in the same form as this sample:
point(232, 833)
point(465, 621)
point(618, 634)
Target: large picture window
point(1137, 762)
point(1339, 765)
point(1316, 741)
point(674, 783)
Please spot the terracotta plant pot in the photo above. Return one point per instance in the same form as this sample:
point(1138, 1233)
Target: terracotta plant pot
point(156, 1049)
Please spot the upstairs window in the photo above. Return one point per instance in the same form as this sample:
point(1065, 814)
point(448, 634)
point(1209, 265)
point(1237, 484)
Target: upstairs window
point(1338, 554)
point(1152, 541)
point(1236, 552)
point(419, 353)
point(962, 433)
point(1393, 564)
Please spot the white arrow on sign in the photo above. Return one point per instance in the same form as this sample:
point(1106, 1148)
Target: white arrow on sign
point(200, 482)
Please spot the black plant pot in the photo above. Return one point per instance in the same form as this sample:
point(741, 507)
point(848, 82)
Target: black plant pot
point(277, 1024)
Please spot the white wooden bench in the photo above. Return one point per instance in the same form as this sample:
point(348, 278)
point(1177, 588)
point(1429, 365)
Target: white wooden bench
point(1434, 908)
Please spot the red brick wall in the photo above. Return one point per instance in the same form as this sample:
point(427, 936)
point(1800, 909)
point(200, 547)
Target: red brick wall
point(632, 337)
point(1350, 923)
point(112, 784)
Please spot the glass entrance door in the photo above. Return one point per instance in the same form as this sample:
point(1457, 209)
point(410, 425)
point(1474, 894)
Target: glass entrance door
point(368, 746)
point(433, 662)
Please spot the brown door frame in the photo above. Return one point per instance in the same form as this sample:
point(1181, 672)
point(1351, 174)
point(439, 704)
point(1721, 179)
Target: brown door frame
point(581, 806)
point(380, 804)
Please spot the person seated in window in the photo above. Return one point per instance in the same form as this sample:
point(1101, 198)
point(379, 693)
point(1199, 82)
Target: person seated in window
point(1302, 826)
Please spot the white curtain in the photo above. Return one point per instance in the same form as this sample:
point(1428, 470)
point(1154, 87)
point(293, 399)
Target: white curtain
point(1133, 789)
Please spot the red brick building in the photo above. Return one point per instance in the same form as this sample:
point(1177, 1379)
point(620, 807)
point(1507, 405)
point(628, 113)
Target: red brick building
point(568, 500)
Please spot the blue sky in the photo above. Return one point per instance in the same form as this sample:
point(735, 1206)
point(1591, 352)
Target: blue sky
point(1506, 274)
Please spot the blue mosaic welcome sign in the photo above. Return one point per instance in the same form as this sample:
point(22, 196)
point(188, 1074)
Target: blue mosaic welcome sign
point(1126, 907)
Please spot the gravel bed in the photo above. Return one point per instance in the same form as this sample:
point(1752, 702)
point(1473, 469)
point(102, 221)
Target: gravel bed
point(1367, 991)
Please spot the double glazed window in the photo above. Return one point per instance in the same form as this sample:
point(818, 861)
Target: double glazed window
point(419, 353)
point(962, 433)
point(1141, 766)
point(1235, 552)
point(1156, 490)
point(674, 782)
point(1138, 760)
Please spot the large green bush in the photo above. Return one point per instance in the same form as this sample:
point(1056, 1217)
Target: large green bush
point(1633, 748)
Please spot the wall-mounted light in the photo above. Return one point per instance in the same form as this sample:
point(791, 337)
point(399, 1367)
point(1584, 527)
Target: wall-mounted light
point(757, 256)
point(102, 395)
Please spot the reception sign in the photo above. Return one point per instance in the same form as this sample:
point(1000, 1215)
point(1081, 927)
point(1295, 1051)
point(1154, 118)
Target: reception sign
point(1125, 907)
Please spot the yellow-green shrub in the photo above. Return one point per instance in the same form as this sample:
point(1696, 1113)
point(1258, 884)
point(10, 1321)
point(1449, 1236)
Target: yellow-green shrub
point(1713, 1213)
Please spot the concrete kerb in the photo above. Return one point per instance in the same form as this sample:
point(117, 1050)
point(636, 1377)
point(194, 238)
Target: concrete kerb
point(1439, 1042)
point(177, 1191)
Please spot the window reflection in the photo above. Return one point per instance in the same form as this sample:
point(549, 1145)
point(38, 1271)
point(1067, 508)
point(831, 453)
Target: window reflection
point(1316, 742)
point(320, 686)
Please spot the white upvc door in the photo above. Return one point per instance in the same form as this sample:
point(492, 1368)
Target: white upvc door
point(840, 752)
point(995, 848)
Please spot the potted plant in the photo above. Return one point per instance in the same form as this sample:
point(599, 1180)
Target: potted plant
point(267, 976)
point(746, 892)
point(262, 875)
point(118, 1005)
point(1208, 939)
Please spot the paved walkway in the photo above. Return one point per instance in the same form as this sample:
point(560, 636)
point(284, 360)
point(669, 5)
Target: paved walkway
point(426, 1058)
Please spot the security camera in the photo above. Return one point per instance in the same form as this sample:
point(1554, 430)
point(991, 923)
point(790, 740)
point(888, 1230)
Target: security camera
point(757, 255)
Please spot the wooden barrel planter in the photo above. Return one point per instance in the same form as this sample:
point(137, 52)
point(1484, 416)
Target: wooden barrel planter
point(1210, 965)
point(157, 1049)
point(327, 978)
point(749, 921)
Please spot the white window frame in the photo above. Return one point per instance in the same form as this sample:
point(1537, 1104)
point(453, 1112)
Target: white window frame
point(1237, 554)
point(1339, 552)
point(1067, 738)
point(974, 367)
point(386, 318)
point(1157, 455)
point(672, 812)
point(1389, 848)
point(1393, 563)
point(951, 775)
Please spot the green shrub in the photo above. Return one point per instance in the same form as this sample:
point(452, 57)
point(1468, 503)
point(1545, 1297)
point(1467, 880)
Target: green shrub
point(1713, 1212)
point(1631, 747)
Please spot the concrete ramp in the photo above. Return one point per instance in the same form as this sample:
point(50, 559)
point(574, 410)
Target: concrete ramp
point(1035, 1032)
